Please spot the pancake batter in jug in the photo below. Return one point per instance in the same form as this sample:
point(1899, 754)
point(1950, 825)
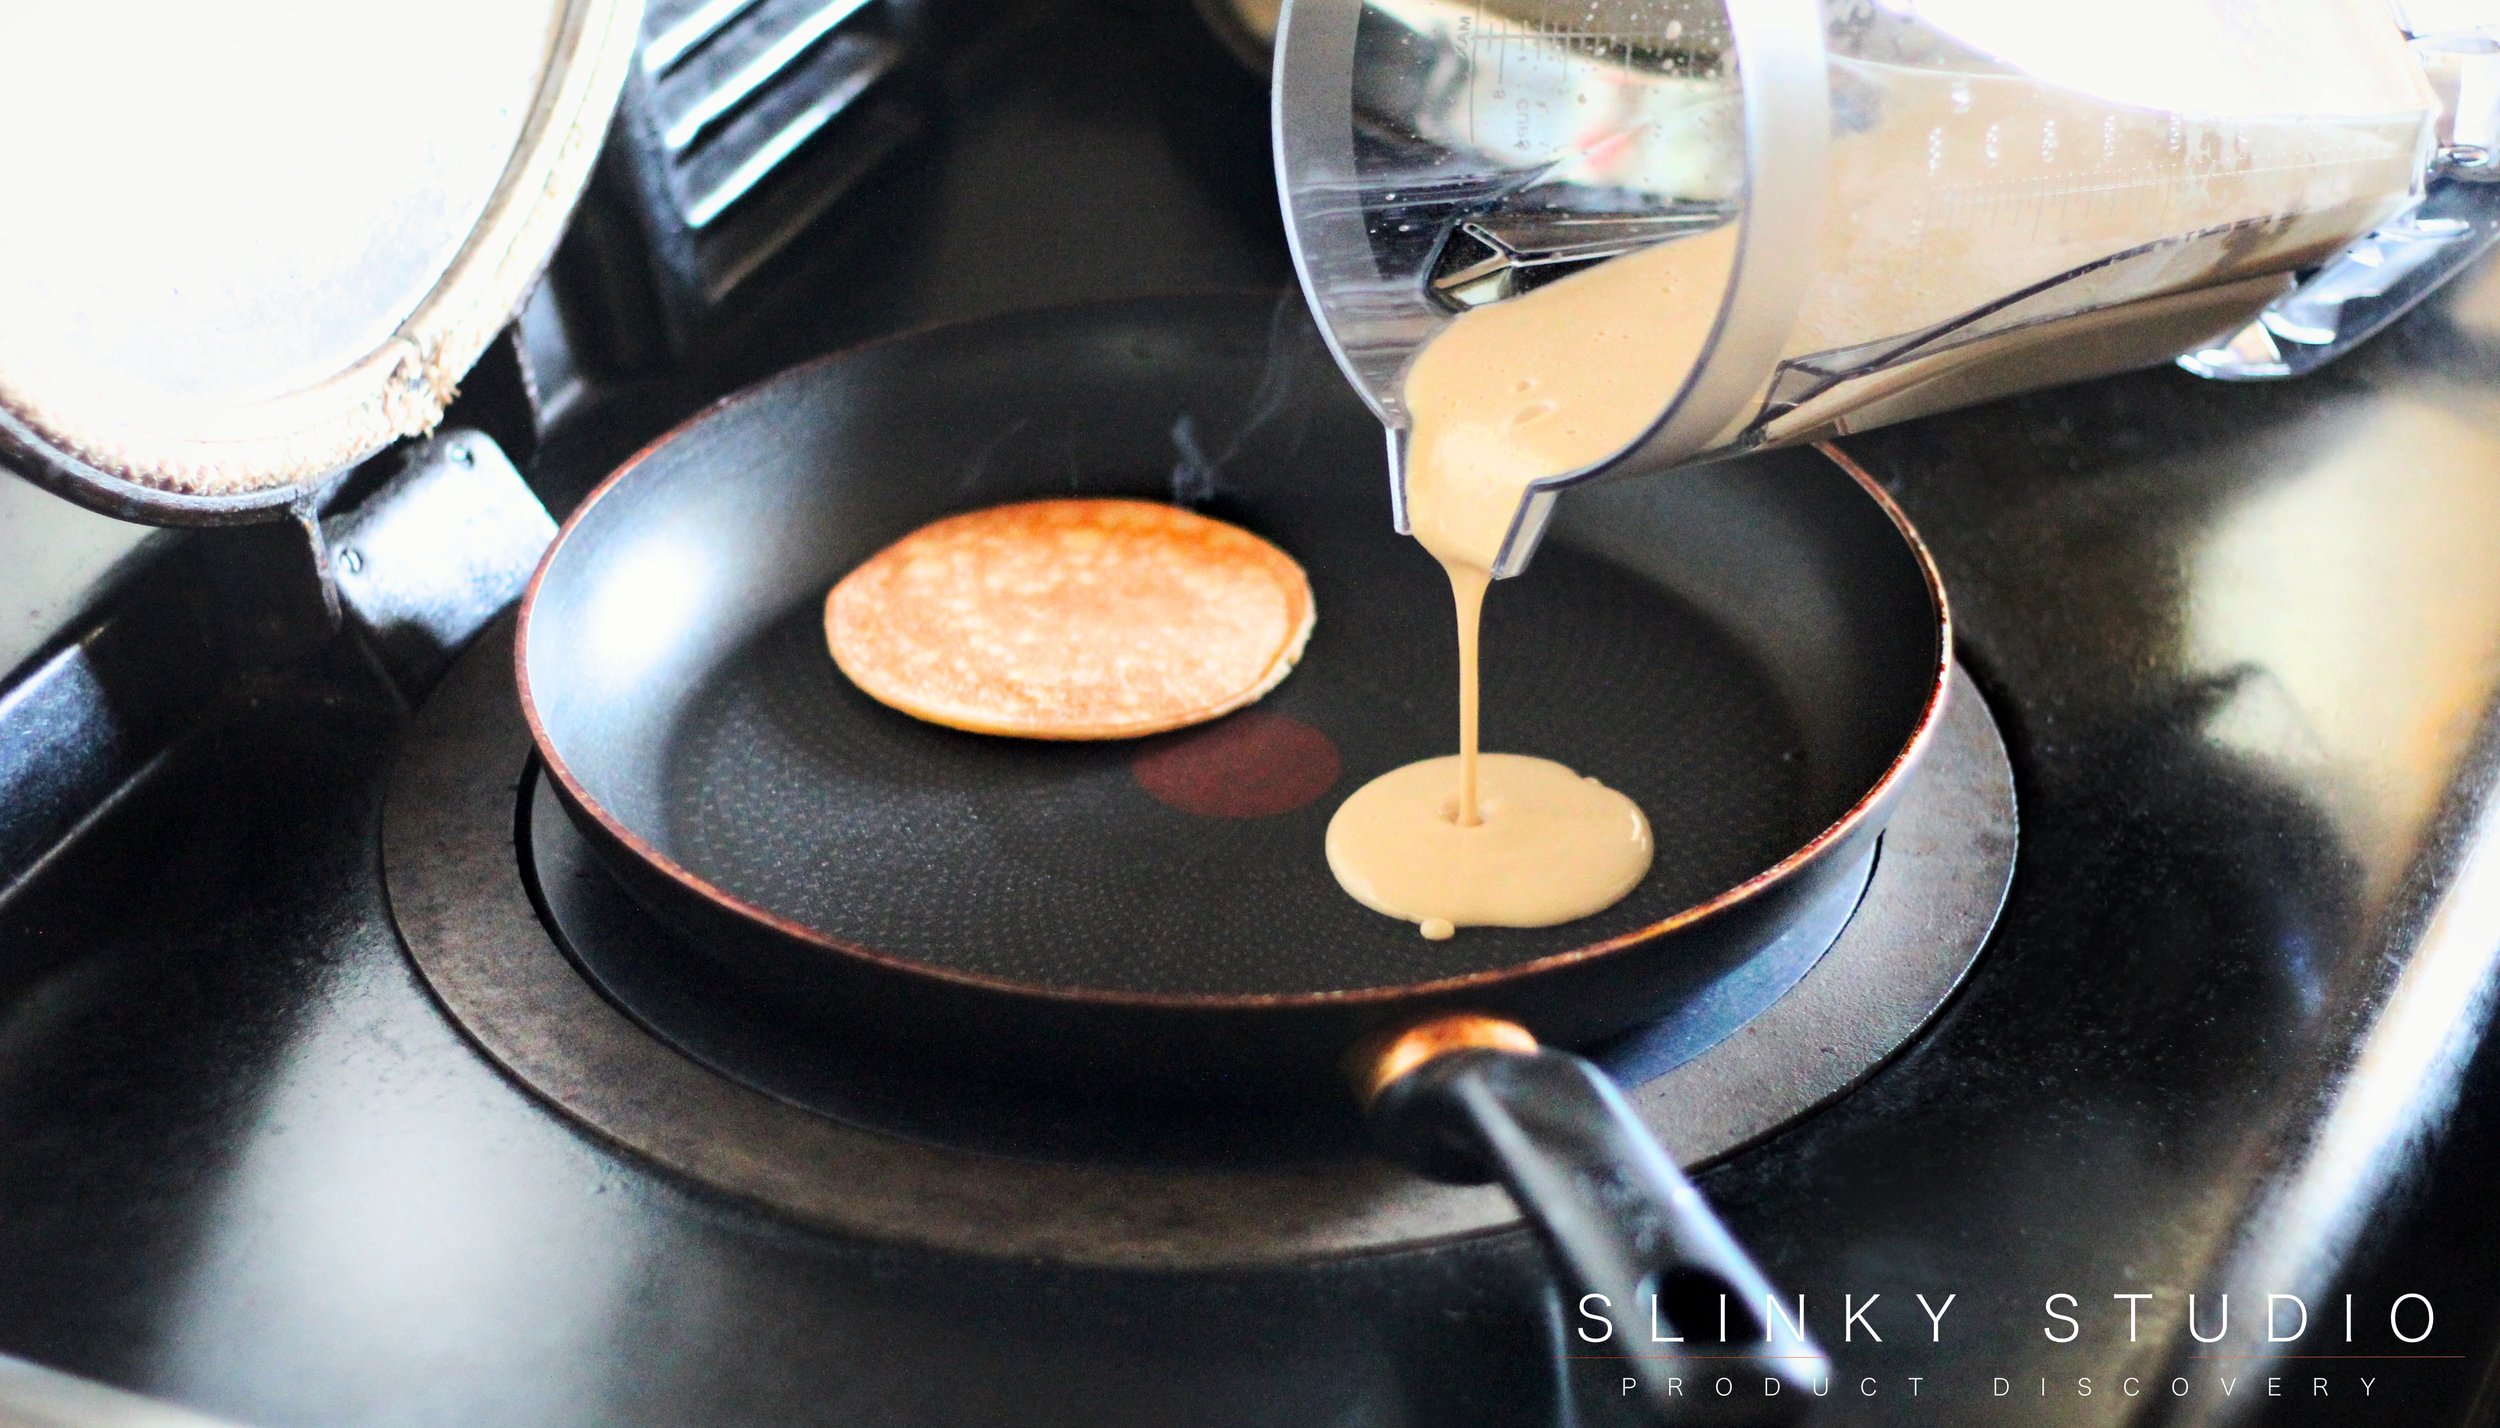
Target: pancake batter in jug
point(1547, 383)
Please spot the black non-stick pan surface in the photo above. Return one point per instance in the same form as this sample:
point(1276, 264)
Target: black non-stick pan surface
point(1749, 650)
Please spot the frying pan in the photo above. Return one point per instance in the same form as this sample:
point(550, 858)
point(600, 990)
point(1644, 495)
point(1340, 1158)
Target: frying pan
point(1756, 652)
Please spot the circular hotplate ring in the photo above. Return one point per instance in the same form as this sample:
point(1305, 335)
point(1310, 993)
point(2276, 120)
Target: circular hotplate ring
point(457, 827)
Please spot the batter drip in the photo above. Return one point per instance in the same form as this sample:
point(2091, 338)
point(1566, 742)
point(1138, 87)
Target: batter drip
point(1542, 385)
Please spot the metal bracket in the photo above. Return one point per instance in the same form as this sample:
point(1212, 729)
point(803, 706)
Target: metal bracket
point(436, 553)
point(1493, 258)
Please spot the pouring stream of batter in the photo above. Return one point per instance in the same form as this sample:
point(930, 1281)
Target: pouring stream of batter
point(1544, 384)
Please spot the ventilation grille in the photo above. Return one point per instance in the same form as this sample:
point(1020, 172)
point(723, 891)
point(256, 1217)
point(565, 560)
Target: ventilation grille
point(758, 115)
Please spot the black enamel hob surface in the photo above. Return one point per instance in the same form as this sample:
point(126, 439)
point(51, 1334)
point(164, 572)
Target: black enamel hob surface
point(2242, 644)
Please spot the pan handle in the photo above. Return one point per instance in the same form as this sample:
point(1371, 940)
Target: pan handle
point(1663, 1303)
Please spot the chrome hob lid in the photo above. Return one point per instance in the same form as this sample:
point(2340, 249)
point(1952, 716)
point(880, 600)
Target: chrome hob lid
point(252, 244)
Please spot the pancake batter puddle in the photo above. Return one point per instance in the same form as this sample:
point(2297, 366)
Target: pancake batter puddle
point(1539, 386)
point(1551, 846)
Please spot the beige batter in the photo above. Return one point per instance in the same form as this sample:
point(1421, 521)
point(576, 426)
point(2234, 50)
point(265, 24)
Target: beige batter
point(1544, 384)
point(1553, 846)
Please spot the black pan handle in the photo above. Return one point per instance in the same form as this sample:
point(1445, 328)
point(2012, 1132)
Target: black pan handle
point(1662, 1303)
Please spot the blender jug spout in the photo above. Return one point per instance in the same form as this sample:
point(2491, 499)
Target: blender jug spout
point(1445, 161)
point(1526, 521)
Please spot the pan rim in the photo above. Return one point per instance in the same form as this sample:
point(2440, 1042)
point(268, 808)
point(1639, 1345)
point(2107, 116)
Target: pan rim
point(1876, 795)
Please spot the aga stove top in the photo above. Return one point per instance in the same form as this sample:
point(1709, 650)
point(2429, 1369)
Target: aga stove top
point(282, 1139)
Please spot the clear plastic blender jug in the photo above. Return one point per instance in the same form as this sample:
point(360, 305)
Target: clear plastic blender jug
point(1932, 202)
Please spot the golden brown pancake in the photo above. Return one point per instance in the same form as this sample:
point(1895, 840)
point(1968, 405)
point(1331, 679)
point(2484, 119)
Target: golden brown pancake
point(1071, 619)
